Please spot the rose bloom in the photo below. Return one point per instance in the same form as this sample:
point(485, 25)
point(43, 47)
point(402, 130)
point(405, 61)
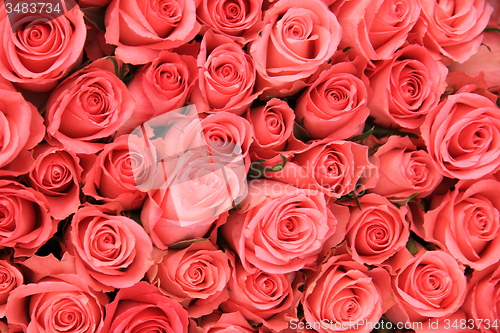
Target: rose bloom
point(56, 174)
point(87, 107)
point(238, 20)
point(453, 28)
point(226, 76)
point(232, 322)
point(122, 172)
point(25, 221)
point(280, 228)
point(142, 29)
point(375, 29)
point(297, 38)
point(465, 222)
point(10, 278)
point(462, 135)
point(195, 276)
point(160, 86)
point(40, 48)
point(143, 308)
point(334, 105)
point(429, 285)
point(336, 168)
point(406, 88)
point(404, 170)
point(342, 292)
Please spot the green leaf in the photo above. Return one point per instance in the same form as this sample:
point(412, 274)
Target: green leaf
point(115, 64)
point(347, 48)
point(491, 30)
point(412, 196)
point(95, 15)
point(489, 49)
point(363, 136)
point(357, 203)
point(411, 246)
point(184, 244)
point(279, 166)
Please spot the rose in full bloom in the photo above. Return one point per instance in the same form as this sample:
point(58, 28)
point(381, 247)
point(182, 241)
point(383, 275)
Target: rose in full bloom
point(142, 29)
point(40, 47)
point(404, 170)
point(342, 292)
point(87, 107)
point(462, 135)
point(375, 29)
point(429, 285)
point(111, 251)
point(453, 28)
point(232, 322)
point(406, 88)
point(144, 308)
point(297, 38)
point(122, 172)
point(56, 174)
point(334, 105)
point(377, 231)
point(465, 222)
point(226, 76)
point(10, 278)
point(196, 277)
point(280, 228)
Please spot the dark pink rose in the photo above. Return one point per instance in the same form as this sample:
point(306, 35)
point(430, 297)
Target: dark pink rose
point(196, 277)
point(143, 308)
point(40, 48)
point(462, 136)
point(404, 170)
point(10, 278)
point(297, 38)
point(88, 107)
point(56, 174)
point(406, 88)
point(142, 29)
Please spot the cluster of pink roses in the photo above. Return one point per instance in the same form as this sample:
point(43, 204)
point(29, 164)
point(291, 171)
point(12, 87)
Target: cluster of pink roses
point(211, 166)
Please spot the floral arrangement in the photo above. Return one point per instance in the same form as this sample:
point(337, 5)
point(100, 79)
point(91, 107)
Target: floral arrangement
point(209, 166)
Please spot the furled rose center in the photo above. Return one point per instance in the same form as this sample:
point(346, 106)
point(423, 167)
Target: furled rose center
point(106, 243)
point(339, 93)
point(68, 316)
point(411, 87)
point(447, 7)
point(167, 77)
point(274, 122)
point(96, 103)
point(416, 170)
point(481, 219)
point(233, 11)
point(297, 30)
point(347, 308)
point(434, 285)
point(6, 278)
point(170, 11)
point(264, 284)
point(37, 35)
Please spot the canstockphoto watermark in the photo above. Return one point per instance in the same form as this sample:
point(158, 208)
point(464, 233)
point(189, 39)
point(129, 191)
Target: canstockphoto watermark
point(326, 324)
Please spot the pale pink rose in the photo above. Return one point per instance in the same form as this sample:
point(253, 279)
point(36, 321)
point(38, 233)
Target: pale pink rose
point(404, 170)
point(280, 228)
point(453, 28)
point(465, 222)
point(430, 284)
point(160, 86)
point(406, 88)
point(10, 278)
point(122, 171)
point(462, 135)
point(40, 48)
point(375, 29)
point(335, 168)
point(342, 293)
point(56, 174)
point(486, 60)
point(297, 38)
point(143, 308)
point(196, 277)
point(239, 20)
point(226, 76)
point(334, 105)
point(142, 29)
point(87, 108)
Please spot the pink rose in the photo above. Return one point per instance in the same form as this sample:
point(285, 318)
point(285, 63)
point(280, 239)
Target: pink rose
point(406, 88)
point(404, 170)
point(160, 86)
point(195, 276)
point(462, 136)
point(10, 278)
point(280, 228)
point(144, 308)
point(375, 29)
point(342, 296)
point(334, 105)
point(142, 29)
point(238, 20)
point(297, 38)
point(429, 285)
point(41, 48)
point(465, 222)
point(453, 29)
point(87, 107)
point(232, 322)
point(56, 174)
point(122, 172)
point(226, 76)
